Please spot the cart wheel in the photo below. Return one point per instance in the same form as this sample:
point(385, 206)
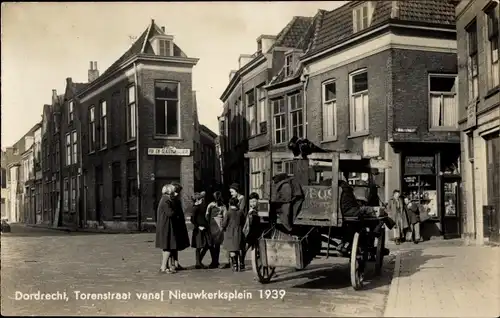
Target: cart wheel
point(379, 257)
point(264, 273)
point(357, 263)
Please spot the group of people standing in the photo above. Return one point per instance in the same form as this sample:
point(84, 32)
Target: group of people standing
point(233, 226)
point(406, 214)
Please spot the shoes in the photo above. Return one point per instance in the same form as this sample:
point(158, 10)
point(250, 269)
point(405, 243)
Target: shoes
point(200, 266)
point(224, 266)
point(179, 268)
point(213, 266)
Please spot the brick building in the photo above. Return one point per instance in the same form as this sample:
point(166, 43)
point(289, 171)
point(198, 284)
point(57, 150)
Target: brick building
point(127, 156)
point(245, 123)
point(210, 180)
point(479, 117)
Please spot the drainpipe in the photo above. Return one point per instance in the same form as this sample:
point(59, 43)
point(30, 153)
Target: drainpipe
point(305, 81)
point(82, 215)
point(137, 151)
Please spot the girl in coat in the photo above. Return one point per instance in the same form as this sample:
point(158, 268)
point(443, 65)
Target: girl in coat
point(180, 225)
point(165, 228)
point(251, 228)
point(201, 236)
point(215, 214)
point(232, 225)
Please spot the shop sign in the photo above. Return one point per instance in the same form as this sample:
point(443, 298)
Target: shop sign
point(419, 165)
point(168, 151)
point(406, 130)
point(371, 147)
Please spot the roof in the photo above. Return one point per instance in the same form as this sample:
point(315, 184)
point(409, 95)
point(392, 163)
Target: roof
point(207, 130)
point(79, 86)
point(336, 25)
point(140, 46)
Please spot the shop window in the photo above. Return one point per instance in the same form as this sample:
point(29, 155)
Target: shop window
point(450, 162)
point(131, 188)
point(419, 184)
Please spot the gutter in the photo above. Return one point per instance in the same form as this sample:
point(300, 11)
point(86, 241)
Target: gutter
point(137, 151)
point(305, 80)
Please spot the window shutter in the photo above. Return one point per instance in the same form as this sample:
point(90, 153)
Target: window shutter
point(354, 20)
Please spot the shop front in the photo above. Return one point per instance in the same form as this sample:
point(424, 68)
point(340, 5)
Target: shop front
point(430, 177)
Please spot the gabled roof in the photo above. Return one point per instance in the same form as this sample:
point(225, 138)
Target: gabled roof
point(337, 25)
point(141, 46)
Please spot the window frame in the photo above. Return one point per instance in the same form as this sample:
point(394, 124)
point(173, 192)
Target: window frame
point(282, 115)
point(291, 112)
point(71, 111)
point(131, 118)
point(103, 124)
point(178, 100)
point(493, 8)
point(288, 65)
point(92, 129)
point(472, 57)
point(352, 114)
point(324, 103)
point(66, 195)
point(251, 109)
point(262, 111)
point(355, 16)
point(168, 52)
point(74, 146)
point(429, 97)
point(73, 196)
point(131, 179)
point(257, 175)
point(69, 146)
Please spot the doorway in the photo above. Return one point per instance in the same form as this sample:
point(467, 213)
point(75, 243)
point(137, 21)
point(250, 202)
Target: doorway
point(493, 185)
point(99, 195)
point(451, 208)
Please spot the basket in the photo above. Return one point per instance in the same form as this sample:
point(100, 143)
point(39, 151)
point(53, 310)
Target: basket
point(282, 252)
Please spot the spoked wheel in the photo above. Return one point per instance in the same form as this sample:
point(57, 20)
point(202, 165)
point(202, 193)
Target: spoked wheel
point(379, 256)
point(357, 263)
point(264, 273)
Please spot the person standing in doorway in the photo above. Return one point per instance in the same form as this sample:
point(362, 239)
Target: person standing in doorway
point(413, 213)
point(215, 214)
point(397, 210)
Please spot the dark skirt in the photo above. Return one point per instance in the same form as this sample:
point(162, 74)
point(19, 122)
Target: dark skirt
point(201, 239)
point(216, 233)
point(165, 234)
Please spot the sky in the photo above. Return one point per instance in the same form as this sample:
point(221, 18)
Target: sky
point(44, 43)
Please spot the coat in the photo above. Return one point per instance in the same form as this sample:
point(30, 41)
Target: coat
point(398, 213)
point(413, 213)
point(232, 225)
point(170, 235)
point(215, 215)
point(254, 227)
point(200, 238)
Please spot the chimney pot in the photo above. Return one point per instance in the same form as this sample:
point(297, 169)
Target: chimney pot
point(95, 65)
point(91, 65)
point(163, 29)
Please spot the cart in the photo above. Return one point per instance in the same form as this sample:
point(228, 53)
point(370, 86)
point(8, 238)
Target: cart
point(319, 225)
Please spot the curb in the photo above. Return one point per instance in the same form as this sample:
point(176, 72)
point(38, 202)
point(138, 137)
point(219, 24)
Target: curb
point(391, 302)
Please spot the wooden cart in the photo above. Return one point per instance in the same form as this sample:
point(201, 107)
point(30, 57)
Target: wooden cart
point(320, 222)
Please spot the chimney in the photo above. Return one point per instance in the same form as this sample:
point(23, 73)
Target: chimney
point(163, 29)
point(265, 42)
point(93, 71)
point(54, 96)
point(244, 59)
point(231, 74)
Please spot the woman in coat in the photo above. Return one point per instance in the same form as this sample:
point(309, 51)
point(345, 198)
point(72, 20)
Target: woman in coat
point(165, 227)
point(398, 214)
point(182, 234)
point(232, 225)
point(413, 213)
point(201, 239)
point(215, 214)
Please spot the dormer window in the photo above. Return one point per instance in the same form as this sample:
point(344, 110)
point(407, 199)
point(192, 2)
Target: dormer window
point(70, 112)
point(288, 64)
point(362, 16)
point(164, 48)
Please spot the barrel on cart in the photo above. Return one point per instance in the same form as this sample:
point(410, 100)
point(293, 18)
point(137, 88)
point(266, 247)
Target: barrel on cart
point(319, 229)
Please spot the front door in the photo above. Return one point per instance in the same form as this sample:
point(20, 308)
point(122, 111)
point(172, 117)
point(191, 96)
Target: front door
point(451, 209)
point(493, 177)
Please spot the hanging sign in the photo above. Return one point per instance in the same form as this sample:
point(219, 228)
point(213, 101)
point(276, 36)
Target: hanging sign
point(168, 151)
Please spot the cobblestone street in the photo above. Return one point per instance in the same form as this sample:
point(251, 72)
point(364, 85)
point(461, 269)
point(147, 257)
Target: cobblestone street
point(51, 261)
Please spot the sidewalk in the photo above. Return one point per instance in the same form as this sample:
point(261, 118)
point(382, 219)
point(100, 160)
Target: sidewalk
point(445, 281)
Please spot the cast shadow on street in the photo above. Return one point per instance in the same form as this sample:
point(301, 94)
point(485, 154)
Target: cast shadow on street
point(418, 262)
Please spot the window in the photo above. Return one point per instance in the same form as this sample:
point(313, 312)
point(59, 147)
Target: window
point(71, 113)
point(361, 17)
point(117, 188)
point(75, 147)
point(66, 195)
point(358, 88)
point(73, 194)
point(329, 101)
point(251, 112)
point(57, 155)
point(68, 149)
point(494, 70)
point(131, 113)
point(288, 65)
point(257, 175)
point(296, 115)
point(131, 187)
point(283, 167)
point(261, 91)
point(92, 128)
point(164, 47)
point(470, 146)
point(472, 62)
point(279, 121)
point(443, 101)
point(167, 109)
point(104, 124)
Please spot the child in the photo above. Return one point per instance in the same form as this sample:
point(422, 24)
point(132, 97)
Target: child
point(251, 229)
point(201, 239)
point(232, 225)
